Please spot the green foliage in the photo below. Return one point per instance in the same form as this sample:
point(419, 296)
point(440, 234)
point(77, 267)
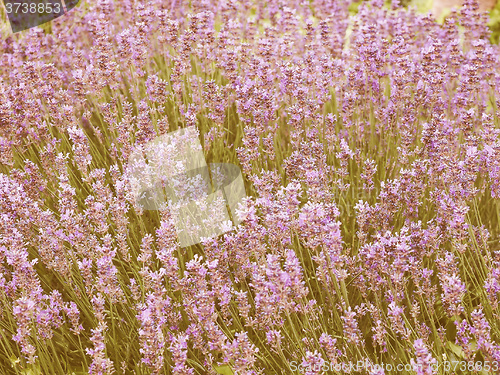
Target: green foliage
point(224, 370)
point(494, 24)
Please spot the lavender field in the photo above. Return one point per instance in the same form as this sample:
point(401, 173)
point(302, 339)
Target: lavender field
point(368, 237)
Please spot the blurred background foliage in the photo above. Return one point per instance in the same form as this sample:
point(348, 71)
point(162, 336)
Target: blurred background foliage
point(494, 23)
point(426, 5)
point(421, 5)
